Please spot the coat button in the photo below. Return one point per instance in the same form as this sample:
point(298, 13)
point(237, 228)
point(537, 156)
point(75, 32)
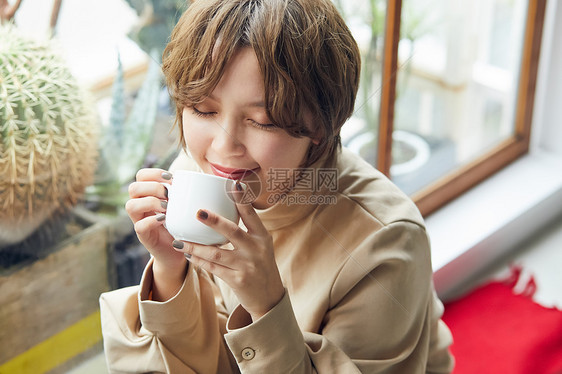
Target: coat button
point(248, 353)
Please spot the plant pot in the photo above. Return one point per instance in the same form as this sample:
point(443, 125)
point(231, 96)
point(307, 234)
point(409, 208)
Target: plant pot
point(409, 151)
point(49, 315)
point(418, 160)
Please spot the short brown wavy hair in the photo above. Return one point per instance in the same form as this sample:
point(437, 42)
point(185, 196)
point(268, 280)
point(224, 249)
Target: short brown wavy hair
point(306, 53)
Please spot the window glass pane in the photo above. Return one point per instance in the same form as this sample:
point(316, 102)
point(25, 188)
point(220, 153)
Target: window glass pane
point(457, 84)
point(366, 22)
point(89, 34)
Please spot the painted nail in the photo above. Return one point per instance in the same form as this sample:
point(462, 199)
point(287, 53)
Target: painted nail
point(166, 192)
point(187, 255)
point(239, 186)
point(164, 204)
point(177, 244)
point(201, 214)
point(160, 217)
point(166, 175)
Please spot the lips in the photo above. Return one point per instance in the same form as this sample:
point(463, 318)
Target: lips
point(230, 173)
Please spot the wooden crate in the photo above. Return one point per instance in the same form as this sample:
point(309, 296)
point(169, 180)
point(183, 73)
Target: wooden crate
point(49, 311)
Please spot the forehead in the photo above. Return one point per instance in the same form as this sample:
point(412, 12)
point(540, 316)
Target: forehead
point(242, 79)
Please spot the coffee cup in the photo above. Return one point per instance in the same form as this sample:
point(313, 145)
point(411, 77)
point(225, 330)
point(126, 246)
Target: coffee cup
point(191, 191)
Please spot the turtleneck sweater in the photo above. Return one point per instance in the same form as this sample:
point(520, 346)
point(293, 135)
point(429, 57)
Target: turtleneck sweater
point(355, 261)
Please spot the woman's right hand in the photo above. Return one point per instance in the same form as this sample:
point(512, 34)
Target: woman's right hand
point(146, 208)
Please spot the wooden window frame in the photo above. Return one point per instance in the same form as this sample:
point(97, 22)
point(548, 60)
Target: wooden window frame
point(465, 177)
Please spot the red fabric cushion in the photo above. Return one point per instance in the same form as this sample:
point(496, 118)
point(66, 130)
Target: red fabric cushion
point(497, 331)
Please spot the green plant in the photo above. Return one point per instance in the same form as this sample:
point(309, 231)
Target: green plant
point(157, 19)
point(48, 135)
point(416, 22)
point(126, 140)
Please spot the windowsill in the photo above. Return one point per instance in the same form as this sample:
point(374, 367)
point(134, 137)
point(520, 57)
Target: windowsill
point(493, 218)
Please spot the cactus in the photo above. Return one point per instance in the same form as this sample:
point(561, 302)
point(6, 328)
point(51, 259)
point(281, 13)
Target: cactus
point(48, 136)
point(125, 142)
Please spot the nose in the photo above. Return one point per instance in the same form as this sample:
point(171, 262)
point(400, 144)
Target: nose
point(227, 141)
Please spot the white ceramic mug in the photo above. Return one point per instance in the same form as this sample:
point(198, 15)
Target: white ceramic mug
point(191, 191)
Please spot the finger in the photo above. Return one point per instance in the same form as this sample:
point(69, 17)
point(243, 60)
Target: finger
point(144, 226)
point(251, 219)
point(142, 207)
point(153, 174)
point(247, 212)
point(145, 189)
point(231, 231)
point(220, 271)
point(210, 253)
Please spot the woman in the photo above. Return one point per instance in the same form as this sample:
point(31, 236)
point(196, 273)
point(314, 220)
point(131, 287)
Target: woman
point(329, 270)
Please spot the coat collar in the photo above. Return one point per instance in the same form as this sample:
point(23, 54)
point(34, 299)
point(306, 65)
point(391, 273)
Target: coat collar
point(316, 182)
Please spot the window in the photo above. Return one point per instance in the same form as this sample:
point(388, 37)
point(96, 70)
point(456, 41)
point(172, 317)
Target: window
point(447, 90)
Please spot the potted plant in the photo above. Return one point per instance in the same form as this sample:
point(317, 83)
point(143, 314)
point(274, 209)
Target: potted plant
point(48, 135)
point(125, 139)
point(410, 151)
point(124, 148)
point(53, 265)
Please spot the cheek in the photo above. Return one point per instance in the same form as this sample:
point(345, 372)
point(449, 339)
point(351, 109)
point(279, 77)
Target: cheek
point(282, 152)
point(194, 134)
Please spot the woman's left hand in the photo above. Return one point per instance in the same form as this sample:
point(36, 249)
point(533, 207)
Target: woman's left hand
point(250, 269)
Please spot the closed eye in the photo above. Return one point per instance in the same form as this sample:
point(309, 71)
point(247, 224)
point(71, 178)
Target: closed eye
point(202, 114)
point(263, 126)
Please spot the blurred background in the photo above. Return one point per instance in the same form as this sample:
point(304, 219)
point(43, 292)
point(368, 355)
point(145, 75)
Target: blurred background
point(459, 105)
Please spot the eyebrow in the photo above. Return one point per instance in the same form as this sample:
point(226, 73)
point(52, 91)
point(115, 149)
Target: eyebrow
point(255, 104)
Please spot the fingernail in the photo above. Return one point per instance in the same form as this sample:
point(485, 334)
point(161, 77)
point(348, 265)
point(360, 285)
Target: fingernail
point(201, 214)
point(164, 204)
point(166, 175)
point(160, 217)
point(177, 244)
point(166, 192)
point(187, 255)
point(239, 186)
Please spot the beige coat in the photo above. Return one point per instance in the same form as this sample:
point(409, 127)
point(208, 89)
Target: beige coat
point(359, 295)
